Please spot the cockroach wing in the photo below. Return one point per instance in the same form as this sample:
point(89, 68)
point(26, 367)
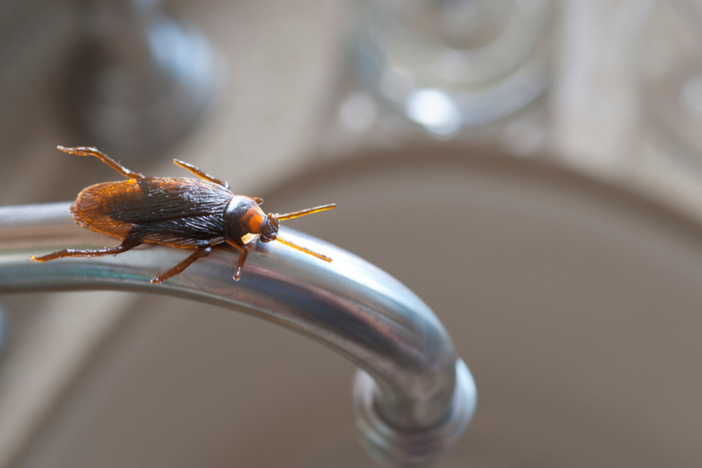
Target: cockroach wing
point(179, 212)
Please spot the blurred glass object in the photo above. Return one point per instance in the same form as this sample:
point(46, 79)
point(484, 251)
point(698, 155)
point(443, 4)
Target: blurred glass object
point(142, 79)
point(672, 75)
point(453, 67)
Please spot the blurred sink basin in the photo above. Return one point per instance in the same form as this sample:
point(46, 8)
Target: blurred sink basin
point(576, 306)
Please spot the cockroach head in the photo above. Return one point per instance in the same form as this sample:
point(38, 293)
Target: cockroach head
point(270, 228)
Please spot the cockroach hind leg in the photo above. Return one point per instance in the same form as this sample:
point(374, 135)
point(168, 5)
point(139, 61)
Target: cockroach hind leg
point(127, 244)
point(89, 151)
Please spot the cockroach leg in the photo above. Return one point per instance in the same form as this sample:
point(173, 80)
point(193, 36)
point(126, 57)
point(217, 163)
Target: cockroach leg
point(199, 253)
point(87, 151)
point(200, 173)
point(242, 259)
point(128, 244)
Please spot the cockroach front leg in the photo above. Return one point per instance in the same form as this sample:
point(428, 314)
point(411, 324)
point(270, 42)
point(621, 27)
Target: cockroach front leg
point(199, 253)
point(87, 151)
point(242, 259)
point(128, 244)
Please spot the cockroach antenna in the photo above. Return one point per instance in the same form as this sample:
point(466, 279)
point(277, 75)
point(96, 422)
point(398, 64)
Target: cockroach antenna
point(298, 214)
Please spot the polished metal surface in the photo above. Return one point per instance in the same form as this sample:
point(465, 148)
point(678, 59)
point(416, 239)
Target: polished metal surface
point(414, 397)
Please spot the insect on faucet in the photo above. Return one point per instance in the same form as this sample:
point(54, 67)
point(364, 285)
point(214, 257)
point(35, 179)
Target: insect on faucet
point(179, 212)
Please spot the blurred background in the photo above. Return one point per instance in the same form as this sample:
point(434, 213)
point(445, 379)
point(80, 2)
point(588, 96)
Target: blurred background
point(531, 168)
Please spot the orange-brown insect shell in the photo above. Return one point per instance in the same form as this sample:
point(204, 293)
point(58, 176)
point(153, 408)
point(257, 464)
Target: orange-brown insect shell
point(244, 220)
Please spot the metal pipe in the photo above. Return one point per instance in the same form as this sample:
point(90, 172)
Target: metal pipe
point(413, 396)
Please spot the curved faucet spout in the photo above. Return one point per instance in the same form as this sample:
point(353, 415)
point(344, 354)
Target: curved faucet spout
point(413, 396)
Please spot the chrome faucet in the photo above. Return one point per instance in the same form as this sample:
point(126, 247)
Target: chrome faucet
point(413, 396)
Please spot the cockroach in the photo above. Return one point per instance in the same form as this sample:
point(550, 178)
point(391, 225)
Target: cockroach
point(181, 212)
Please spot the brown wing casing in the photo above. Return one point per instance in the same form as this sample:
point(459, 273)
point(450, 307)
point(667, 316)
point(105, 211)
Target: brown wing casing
point(178, 212)
point(93, 203)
